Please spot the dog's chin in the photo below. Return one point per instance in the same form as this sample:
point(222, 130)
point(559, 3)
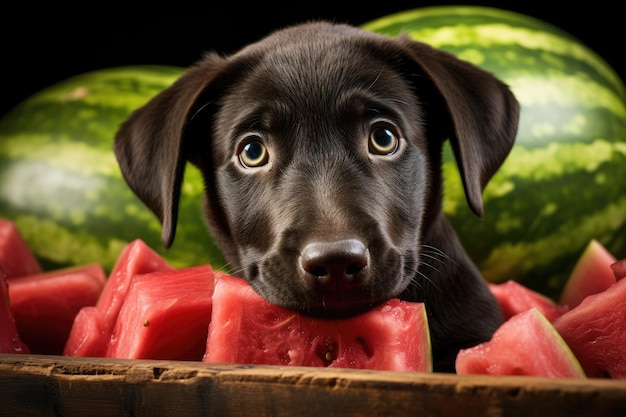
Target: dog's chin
point(325, 306)
point(331, 298)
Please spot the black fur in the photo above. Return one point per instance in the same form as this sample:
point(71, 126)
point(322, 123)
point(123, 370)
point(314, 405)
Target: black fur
point(328, 224)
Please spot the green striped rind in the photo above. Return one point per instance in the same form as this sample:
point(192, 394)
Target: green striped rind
point(534, 229)
point(466, 30)
point(60, 182)
point(564, 182)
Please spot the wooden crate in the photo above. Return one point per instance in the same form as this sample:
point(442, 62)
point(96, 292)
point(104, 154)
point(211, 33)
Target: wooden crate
point(37, 385)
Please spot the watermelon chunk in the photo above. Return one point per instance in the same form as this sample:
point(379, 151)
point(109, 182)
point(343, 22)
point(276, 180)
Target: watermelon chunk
point(16, 258)
point(92, 329)
point(526, 344)
point(165, 315)
point(89, 335)
point(591, 274)
point(45, 305)
point(515, 298)
point(247, 329)
point(596, 332)
point(136, 258)
point(10, 340)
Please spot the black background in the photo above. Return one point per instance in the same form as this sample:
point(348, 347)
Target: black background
point(43, 44)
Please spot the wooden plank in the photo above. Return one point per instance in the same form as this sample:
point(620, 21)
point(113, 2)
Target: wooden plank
point(36, 385)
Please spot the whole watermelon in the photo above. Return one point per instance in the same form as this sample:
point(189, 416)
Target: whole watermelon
point(61, 184)
point(564, 183)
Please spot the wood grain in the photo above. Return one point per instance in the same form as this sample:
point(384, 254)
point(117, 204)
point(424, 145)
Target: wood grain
point(37, 385)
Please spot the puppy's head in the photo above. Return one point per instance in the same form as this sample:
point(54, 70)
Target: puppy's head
point(320, 148)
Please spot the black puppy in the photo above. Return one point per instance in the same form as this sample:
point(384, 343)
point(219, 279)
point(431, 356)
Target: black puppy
point(321, 149)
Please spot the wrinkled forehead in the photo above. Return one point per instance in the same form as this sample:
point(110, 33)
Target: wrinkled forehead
point(318, 78)
point(322, 68)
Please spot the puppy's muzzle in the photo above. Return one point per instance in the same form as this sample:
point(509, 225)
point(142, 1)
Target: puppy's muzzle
point(336, 268)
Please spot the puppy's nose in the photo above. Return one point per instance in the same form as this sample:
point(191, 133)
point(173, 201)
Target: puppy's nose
point(335, 264)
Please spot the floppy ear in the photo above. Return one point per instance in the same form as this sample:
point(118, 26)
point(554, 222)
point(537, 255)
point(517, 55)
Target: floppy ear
point(150, 145)
point(483, 115)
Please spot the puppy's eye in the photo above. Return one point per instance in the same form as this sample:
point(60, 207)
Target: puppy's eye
point(383, 140)
point(253, 154)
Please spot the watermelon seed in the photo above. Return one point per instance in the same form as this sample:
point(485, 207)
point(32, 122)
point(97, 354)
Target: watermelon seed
point(327, 351)
point(331, 353)
point(367, 349)
point(146, 323)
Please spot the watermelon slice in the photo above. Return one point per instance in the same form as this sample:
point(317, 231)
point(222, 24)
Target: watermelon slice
point(89, 335)
point(44, 305)
point(526, 344)
point(515, 298)
point(16, 258)
point(596, 332)
point(136, 258)
point(10, 341)
point(246, 329)
point(92, 328)
point(165, 315)
point(591, 274)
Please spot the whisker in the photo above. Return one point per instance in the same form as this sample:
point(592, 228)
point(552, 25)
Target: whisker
point(432, 250)
point(237, 272)
point(427, 279)
point(433, 257)
point(431, 266)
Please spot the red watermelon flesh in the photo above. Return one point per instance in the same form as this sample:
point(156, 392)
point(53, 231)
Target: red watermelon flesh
point(526, 344)
point(515, 298)
point(591, 274)
point(92, 329)
point(10, 340)
point(16, 258)
point(89, 335)
point(619, 269)
point(595, 330)
point(248, 330)
point(165, 315)
point(45, 305)
point(136, 258)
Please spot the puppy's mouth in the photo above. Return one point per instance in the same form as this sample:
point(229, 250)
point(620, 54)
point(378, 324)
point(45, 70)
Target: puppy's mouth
point(335, 280)
point(334, 271)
